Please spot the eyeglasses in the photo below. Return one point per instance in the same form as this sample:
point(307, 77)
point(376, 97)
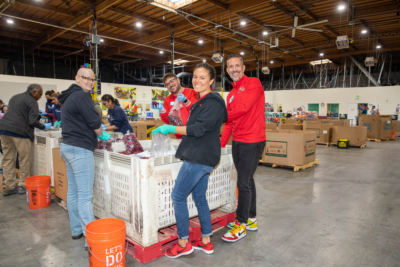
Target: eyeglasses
point(88, 79)
point(170, 82)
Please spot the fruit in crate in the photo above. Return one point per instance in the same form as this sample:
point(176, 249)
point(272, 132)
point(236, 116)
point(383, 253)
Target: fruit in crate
point(174, 120)
point(132, 144)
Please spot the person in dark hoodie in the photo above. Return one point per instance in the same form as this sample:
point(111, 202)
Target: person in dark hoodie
point(200, 149)
point(116, 115)
point(81, 126)
point(16, 133)
point(57, 109)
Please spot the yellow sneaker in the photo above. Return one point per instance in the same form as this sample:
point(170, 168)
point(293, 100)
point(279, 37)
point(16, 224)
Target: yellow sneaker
point(235, 234)
point(251, 224)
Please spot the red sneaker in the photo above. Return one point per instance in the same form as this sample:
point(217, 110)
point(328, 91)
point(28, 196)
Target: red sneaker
point(176, 251)
point(208, 249)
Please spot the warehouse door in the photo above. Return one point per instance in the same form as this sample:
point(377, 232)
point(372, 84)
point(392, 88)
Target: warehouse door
point(313, 107)
point(352, 113)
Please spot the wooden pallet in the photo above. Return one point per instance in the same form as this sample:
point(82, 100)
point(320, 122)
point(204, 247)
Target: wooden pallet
point(60, 202)
point(296, 168)
point(324, 144)
point(169, 235)
point(380, 140)
point(363, 146)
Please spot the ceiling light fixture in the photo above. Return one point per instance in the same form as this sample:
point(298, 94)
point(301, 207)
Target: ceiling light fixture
point(161, 52)
point(364, 31)
point(138, 24)
point(204, 60)
point(341, 7)
point(200, 41)
point(101, 40)
point(378, 46)
point(243, 23)
point(242, 53)
point(265, 33)
point(10, 21)
point(321, 54)
point(271, 62)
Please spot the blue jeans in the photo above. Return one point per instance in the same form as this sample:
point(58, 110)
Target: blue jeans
point(191, 178)
point(134, 117)
point(80, 172)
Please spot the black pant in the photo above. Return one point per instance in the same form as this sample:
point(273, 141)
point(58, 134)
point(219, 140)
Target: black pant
point(246, 157)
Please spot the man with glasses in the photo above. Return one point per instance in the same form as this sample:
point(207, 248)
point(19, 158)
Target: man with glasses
point(81, 127)
point(178, 93)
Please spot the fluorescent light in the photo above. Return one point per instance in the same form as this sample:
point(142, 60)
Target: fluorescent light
point(161, 52)
point(138, 24)
point(10, 21)
point(265, 33)
point(200, 41)
point(101, 40)
point(364, 31)
point(378, 46)
point(243, 23)
point(271, 62)
point(242, 53)
point(321, 54)
point(341, 7)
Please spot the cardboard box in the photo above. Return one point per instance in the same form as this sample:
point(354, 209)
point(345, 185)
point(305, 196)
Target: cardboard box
point(378, 127)
point(341, 122)
point(357, 135)
point(323, 130)
point(289, 147)
point(143, 129)
point(271, 126)
point(60, 175)
point(292, 121)
point(2, 180)
point(290, 126)
point(393, 127)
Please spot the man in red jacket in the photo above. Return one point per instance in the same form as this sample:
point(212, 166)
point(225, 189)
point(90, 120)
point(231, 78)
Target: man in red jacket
point(186, 96)
point(246, 118)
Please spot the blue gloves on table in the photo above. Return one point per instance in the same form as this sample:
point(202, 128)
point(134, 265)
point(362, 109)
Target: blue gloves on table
point(181, 98)
point(165, 129)
point(104, 127)
point(47, 126)
point(42, 113)
point(105, 136)
point(158, 106)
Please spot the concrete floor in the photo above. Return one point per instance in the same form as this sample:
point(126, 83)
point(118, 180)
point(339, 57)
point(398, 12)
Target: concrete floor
point(346, 212)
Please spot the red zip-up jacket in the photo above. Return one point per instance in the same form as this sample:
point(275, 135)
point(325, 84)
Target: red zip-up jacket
point(246, 112)
point(191, 95)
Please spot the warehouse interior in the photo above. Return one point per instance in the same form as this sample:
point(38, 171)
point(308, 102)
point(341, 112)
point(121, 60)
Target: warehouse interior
point(327, 186)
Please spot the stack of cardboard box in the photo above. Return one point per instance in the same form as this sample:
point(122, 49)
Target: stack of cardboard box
point(378, 126)
point(323, 128)
point(356, 135)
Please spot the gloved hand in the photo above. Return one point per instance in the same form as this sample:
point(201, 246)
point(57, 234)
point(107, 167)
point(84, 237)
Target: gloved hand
point(181, 98)
point(105, 136)
point(47, 126)
point(57, 124)
point(158, 106)
point(104, 127)
point(42, 113)
point(164, 129)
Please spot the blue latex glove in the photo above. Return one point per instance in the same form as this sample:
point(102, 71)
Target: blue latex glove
point(104, 127)
point(42, 113)
point(181, 98)
point(165, 129)
point(105, 136)
point(158, 106)
point(47, 126)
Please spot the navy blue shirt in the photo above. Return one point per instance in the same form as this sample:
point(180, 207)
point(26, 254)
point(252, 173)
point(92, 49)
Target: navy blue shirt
point(50, 107)
point(57, 112)
point(3, 132)
point(118, 118)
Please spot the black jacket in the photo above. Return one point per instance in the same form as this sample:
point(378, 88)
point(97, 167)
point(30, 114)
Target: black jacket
point(79, 118)
point(202, 144)
point(22, 115)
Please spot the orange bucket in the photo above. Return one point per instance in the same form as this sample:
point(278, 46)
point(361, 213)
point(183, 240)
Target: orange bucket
point(106, 242)
point(38, 191)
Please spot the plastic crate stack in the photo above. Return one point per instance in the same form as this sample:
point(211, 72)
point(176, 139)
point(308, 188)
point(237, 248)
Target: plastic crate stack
point(138, 190)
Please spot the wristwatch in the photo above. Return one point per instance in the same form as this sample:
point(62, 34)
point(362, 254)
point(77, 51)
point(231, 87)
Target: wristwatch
point(186, 100)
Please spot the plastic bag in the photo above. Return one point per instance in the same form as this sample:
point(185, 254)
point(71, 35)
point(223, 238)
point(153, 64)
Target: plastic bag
point(132, 144)
point(174, 115)
point(160, 145)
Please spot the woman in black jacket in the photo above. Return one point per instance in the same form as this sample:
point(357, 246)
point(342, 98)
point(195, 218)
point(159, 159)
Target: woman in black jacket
point(200, 149)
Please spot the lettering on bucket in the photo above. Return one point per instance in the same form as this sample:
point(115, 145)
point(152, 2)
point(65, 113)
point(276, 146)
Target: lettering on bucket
point(114, 255)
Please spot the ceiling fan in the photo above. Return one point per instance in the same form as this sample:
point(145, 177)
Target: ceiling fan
point(297, 27)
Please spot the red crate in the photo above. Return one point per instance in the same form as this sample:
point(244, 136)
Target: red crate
point(167, 236)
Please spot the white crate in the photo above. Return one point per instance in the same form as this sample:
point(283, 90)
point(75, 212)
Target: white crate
point(43, 145)
point(140, 191)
